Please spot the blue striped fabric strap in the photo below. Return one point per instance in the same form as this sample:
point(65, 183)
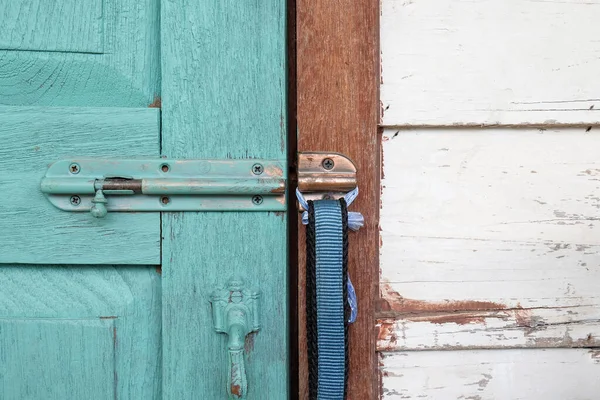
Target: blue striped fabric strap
point(329, 245)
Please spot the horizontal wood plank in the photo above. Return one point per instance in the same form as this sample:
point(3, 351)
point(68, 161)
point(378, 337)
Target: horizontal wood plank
point(32, 230)
point(490, 239)
point(512, 62)
point(555, 374)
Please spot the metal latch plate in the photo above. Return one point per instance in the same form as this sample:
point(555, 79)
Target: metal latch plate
point(134, 185)
point(325, 175)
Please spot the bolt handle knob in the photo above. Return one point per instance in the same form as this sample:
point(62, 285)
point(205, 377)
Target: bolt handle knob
point(99, 210)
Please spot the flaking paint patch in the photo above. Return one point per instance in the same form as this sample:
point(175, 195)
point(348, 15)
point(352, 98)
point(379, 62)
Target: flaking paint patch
point(458, 318)
point(595, 355)
point(386, 334)
point(394, 301)
point(156, 103)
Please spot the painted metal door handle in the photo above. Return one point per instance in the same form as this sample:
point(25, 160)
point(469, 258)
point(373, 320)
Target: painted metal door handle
point(235, 312)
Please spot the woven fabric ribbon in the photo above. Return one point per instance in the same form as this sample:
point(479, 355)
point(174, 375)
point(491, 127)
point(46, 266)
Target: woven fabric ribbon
point(330, 298)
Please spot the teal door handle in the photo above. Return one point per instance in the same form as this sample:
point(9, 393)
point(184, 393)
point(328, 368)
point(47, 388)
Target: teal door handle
point(235, 313)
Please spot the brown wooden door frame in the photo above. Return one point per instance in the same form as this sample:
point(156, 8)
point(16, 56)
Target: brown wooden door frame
point(337, 74)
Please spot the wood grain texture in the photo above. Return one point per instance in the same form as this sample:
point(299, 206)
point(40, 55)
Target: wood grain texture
point(554, 374)
point(31, 25)
point(337, 110)
point(490, 239)
point(223, 96)
point(514, 62)
point(79, 53)
point(79, 332)
point(32, 230)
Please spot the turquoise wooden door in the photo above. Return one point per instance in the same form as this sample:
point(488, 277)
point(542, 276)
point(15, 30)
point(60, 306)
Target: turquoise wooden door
point(120, 307)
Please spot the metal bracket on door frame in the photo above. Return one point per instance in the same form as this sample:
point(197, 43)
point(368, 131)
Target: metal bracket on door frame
point(325, 175)
point(137, 185)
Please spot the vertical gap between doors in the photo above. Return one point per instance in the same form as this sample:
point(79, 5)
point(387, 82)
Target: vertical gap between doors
point(292, 215)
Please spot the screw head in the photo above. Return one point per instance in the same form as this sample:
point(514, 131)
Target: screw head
point(257, 200)
point(165, 168)
point(258, 169)
point(165, 200)
point(74, 168)
point(75, 200)
point(328, 164)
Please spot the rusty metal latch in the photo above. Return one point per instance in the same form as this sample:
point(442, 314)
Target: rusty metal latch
point(325, 176)
point(102, 186)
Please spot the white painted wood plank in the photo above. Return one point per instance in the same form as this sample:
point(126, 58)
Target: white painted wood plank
point(556, 374)
point(491, 329)
point(449, 62)
point(490, 239)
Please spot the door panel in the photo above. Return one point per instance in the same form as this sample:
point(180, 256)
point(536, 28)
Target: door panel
point(94, 375)
point(79, 52)
point(224, 96)
point(79, 333)
point(81, 299)
point(74, 332)
point(34, 231)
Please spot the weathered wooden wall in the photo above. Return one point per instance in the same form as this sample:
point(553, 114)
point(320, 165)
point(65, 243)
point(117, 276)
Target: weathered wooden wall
point(490, 200)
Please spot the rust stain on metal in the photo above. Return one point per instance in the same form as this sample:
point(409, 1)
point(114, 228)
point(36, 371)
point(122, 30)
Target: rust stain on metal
point(274, 171)
point(280, 189)
point(281, 199)
point(393, 301)
point(157, 103)
point(236, 390)
point(159, 270)
point(312, 177)
point(249, 344)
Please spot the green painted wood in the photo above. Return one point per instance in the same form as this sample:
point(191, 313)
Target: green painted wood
point(32, 230)
point(74, 333)
point(79, 52)
point(223, 91)
point(77, 332)
point(24, 343)
point(31, 25)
